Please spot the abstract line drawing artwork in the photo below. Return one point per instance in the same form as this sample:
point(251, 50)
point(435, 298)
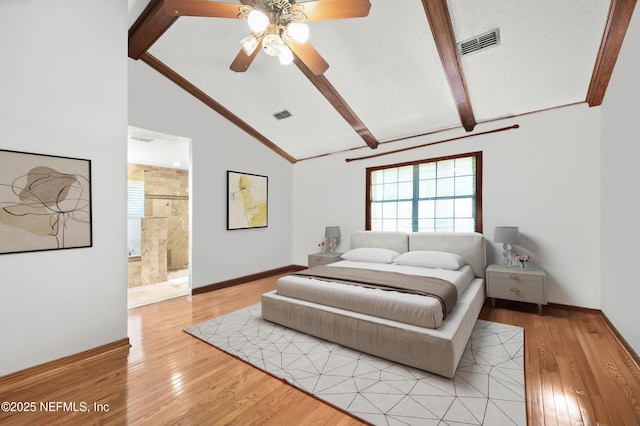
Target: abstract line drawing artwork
point(45, 202)
point(247, 201)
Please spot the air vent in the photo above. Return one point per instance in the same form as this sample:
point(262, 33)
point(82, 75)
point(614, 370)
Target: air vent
point(282, 115)
point(483, 41)
point(141, 138)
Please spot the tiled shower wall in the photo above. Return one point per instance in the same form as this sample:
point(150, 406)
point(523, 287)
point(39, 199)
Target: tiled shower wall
point(167, 213)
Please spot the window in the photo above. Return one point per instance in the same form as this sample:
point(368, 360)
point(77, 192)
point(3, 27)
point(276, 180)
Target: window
point(437, 195)
point(135, 199)
point(135, 213)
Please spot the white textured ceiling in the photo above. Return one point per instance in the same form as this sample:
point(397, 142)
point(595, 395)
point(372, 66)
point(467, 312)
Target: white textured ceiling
point(158, 149)
point(387, 69)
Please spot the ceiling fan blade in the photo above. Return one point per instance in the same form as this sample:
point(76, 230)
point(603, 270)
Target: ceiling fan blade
point(211, 9)
point(320, 10)
point(309, 56)
point(242, 61)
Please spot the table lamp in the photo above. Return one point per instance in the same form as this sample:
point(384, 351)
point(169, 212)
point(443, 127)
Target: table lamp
point(332, 233)
point(506, 235)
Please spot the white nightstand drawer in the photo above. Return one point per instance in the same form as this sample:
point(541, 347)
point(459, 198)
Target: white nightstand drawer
point(525, 290)
point(518, 275)
point(318, 259)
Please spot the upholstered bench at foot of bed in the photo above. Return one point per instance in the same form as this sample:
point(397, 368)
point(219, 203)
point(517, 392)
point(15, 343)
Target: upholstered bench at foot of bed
point(438, 351)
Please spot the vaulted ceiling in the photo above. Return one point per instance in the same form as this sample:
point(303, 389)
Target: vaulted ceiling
point(394, 74)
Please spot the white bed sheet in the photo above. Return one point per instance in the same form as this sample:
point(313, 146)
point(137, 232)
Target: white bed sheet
point(413, 309)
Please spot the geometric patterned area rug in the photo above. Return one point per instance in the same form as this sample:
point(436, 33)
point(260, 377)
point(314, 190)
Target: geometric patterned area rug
point(487, 389)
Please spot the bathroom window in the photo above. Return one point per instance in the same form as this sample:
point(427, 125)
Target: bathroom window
point(135, 213)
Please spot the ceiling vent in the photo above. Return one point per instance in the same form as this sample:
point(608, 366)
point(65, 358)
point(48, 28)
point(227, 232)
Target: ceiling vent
point(483, 41)
point(282, 114)
point(141, 138)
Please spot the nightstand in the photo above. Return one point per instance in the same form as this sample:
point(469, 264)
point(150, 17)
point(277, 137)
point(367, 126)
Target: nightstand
point(318, 259)
point(515, 283)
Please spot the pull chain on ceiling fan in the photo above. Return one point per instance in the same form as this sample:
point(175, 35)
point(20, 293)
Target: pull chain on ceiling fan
point(279, 26)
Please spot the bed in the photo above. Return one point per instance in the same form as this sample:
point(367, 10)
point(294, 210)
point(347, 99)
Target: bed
point(355, 302)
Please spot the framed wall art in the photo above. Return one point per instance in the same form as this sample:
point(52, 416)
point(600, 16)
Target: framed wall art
point(45, 202)
point(247, 200)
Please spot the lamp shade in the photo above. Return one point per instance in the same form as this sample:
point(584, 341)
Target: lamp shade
point(332, 232)
point(506, 234)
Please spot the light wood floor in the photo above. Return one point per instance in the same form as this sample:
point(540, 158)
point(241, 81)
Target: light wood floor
point(576, 374)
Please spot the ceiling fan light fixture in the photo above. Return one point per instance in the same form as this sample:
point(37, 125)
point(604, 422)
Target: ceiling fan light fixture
point(257, 21)
point(272, 44)
point(298, 31)
point(249, 44)
point(285, 56)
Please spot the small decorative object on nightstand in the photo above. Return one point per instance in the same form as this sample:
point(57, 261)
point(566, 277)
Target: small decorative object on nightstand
point(523, 285)
point(318, 259)
point(523, 258)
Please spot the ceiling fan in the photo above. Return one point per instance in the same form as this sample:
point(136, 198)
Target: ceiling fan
point(277, 25)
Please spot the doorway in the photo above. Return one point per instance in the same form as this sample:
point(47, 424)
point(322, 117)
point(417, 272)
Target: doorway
point(159, 214)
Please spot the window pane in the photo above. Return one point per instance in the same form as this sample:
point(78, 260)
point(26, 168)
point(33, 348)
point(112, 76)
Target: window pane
point(444, 225)
point(445, 187)
point(426, 209)
point(444, 209)
point(405, 225)
point(405, 210)
point(390, 175)
point(464, 208)
point(405, 174)
point(390, 191)
point(376, 225)
point(465, 185)
point(465, 166)
point(428, 170)
point(376, 210)
point(426, 225)
point(427, 188)
point(377, 177)
point(389, 210)
point(446, 168)
point(389, 225)
point(135, 199)
point(465, 225)
point(377, 192)
point(405, 191)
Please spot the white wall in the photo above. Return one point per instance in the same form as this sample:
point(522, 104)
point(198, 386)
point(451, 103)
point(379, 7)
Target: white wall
point(620, 191)
point(543, 177)
point(63, 92)
point(217, 146)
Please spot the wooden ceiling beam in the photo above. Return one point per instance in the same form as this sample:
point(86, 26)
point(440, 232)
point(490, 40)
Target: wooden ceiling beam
point(442, 29)
point(334, 98)
point(149, 26)
point(163, 69)
point(620, 13)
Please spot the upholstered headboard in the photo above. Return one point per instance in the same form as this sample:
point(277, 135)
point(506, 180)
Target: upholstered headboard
point(398, 241)
point(470, 245)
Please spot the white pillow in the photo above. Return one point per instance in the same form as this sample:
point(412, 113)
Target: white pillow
point(431, 259)
point(371, 254)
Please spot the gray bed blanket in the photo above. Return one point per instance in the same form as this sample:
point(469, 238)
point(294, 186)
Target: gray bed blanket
point(442, 290)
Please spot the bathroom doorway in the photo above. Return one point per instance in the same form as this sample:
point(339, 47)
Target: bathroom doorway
point(159, 216)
